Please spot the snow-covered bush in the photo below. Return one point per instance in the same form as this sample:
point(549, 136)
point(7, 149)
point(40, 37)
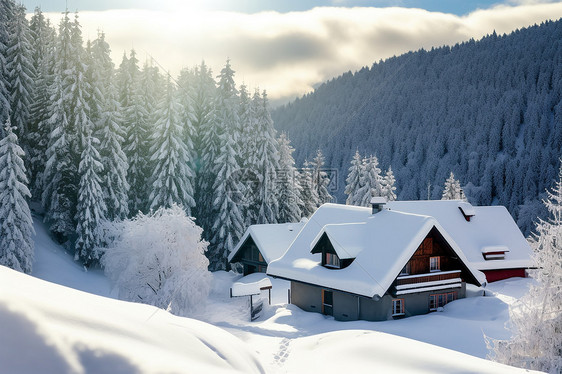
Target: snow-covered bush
point(536, 319)
point(158, 259)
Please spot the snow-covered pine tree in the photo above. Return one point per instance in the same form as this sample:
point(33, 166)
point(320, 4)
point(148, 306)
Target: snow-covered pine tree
point(309, 196)
point(43, 42)
point(78, 89)
point(353, 180)
point(536, 319)
point(205, 143)
point(172, 177)
point(109, 130)
point(21, 73)
point(228, 223)
point(60, 176)
point(266, 161)
point(321, 179)
point(388, 187)
point(124, 82)
point(187, 116)
point(6, 15)
point(114, 161)
point(249, 156)
point(91, 209)
point(287, 187)
point(16, 225)
point(142, 104)
point(452, 189)
point(372, 180)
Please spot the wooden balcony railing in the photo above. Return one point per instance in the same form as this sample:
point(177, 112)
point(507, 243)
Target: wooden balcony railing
point(427, 277)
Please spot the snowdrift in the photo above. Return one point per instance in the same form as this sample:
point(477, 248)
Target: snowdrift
point(47, 328)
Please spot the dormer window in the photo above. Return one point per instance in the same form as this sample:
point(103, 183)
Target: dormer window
point(494, 252)
point(332, 260)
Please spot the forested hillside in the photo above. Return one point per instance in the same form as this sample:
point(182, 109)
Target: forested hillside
point(487, 110)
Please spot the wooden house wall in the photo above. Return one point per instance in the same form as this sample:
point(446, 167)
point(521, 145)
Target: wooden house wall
point(432, 246)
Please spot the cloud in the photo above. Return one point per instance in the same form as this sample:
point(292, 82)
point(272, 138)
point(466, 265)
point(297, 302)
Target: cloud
point(289, 53)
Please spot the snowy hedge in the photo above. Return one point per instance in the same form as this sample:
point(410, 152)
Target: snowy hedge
point(158, 259)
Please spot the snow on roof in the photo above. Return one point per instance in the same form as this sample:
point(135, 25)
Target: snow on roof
point(381, 244)
point(378, 200)
point(246, 288)
point(353, 241)
point(272, 240)
point(490, 226)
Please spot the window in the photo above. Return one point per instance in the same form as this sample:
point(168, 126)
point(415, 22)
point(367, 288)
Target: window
point(327, 303)
point(439, 300)
point(406, 269)
point(332, 260)
point(397, 307)
point(434, 264)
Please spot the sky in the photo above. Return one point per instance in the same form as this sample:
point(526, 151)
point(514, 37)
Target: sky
point(288, 47)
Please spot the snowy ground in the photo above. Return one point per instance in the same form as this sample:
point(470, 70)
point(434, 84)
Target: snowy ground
point(284, 339)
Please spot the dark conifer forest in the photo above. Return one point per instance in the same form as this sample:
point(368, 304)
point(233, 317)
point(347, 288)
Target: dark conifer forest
point(487, 110)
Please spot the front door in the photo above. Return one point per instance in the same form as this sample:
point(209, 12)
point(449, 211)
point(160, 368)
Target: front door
point(327, 303)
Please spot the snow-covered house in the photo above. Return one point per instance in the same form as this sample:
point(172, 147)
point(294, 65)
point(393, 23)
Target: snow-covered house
point(262, 244)
point(487, 235)
point(373, 264)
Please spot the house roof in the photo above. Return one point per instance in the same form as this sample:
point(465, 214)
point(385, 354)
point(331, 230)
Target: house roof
point(489, 228)
point(381, 245)
point(272, 240)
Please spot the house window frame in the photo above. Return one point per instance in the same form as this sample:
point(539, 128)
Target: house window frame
point(398, 307)
point(406, 269)
point(332, 260)
point(327, 308)
point(446, 298)
point(434, 264)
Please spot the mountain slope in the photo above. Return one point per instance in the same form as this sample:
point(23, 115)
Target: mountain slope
point(489, 111)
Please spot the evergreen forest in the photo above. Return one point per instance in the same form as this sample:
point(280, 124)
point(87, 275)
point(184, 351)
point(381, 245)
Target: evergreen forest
point(489, 111)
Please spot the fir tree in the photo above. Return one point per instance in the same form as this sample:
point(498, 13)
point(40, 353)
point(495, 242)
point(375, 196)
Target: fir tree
point(172, 178)
point(108, 125)
point(114, 175)
point(354, 180)
point(288, 190)
point(21, 73)
point(309, 195)
point(321, 179)
point(228, 223)
point(140, 118)
point(6, 14)
point(91, 209)
point(187, 116)
point(249, 157)
point(205, 142)
point(60, 177)
point(77, 89)
point(44, 40)
point(452, 189)
point(16, 225)
point(371, 184)
point(536, 319)
point(266, 161)
point(388, 187)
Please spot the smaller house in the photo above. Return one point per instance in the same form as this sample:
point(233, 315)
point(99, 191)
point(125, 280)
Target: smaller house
point(373, 264)
point(262, 244)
